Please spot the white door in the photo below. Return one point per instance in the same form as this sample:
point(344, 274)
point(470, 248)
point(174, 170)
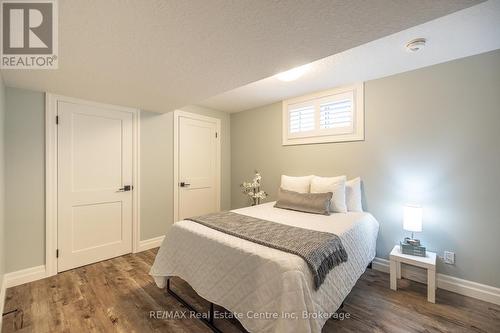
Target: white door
point(198, 165)
point(95, 162)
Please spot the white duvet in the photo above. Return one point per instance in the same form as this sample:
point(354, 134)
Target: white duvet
point(268, 290)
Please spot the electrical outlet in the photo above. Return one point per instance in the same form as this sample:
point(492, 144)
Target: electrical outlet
point(449, 257)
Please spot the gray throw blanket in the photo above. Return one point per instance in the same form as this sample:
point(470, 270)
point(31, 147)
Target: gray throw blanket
point(321, 250)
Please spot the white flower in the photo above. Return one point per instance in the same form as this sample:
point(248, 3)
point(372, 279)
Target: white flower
point(261, 195)
point(246, 186)
point(252, 189)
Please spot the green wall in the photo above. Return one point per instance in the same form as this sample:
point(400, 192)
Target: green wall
point(2, 181)
point(25, 175)
point(432, 137)
point(24, 179)
point(157, 209)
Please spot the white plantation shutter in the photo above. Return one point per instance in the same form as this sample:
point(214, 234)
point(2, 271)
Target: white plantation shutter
point(330, 116)
point(336, 114)
point(301, 119)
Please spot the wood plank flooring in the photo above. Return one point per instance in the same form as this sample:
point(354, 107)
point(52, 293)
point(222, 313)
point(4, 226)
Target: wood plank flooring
point(117, 295)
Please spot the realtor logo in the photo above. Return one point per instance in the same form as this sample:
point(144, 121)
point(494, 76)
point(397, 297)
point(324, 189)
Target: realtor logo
point(29, 34)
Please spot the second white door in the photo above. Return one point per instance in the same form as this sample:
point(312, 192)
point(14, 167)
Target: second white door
point(95, 174)
point(197, 152)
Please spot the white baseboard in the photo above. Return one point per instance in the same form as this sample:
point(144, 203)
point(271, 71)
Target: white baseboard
point(24, 276)
point(39, 272)
point(380, 264)
point(2, 298)
point(460, 286)
point(469, 288)
point(16, 278)
point(150, 243)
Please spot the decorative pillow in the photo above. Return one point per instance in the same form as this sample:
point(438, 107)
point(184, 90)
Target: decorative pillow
point(296, 184)
point(353, 195)
point(315, 203)
point(336, 185)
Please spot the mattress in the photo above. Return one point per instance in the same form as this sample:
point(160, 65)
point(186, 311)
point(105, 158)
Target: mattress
point(268, 290)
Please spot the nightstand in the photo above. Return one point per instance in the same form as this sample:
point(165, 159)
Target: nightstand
point(428, 262)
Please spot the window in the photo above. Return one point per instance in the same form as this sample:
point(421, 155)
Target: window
point(330, 116)
point(301, 119)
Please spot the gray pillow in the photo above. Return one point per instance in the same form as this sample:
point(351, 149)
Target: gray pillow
point(315, 203)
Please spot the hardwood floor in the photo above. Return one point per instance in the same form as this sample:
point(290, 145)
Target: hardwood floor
point(117, 295)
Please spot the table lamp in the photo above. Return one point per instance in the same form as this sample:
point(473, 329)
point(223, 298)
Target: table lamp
point(412, 221)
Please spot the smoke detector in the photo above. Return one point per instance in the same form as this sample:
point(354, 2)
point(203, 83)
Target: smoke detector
point(416, 44)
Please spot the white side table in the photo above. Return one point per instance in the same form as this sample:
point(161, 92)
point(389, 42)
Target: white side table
point(428, 262)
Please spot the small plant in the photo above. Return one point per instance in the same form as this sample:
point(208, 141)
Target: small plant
point(252, 189)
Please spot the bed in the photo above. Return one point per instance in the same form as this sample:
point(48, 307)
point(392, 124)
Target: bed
point(268, 290)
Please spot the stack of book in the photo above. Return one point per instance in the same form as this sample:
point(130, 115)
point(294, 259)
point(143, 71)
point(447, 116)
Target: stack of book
point(412, 248)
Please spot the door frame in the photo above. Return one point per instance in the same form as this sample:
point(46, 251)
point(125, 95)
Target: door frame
point(51, 175)
point(177, 115)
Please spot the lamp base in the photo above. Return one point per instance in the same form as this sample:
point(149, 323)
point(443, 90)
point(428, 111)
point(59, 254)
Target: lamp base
point(415, 250)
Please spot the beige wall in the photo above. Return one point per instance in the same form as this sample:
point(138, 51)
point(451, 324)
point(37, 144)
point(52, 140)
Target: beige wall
point(2, 182)
point(25, 175)
point(432, 136)
point(157, 168)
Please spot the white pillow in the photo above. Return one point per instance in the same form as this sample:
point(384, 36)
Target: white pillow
point(336, 185)
point(353, 195)
point(296, 184)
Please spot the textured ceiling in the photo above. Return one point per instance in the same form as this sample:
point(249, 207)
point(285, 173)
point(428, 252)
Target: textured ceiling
point(159, 55)
point(461, 34)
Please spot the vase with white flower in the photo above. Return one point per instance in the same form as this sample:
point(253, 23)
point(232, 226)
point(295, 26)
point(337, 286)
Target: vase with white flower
point(252, 189)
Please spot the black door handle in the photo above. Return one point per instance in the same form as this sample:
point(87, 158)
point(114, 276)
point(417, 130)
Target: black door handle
point(184, 184)
point(126, 188)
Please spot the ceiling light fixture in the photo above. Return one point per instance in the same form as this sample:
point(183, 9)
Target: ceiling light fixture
point(416, 44)
point(293, 74)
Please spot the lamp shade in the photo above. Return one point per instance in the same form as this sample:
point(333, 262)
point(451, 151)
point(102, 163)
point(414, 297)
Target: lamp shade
point(412, 219)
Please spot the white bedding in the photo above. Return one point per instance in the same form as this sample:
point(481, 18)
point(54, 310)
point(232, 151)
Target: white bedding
point(255, 281)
